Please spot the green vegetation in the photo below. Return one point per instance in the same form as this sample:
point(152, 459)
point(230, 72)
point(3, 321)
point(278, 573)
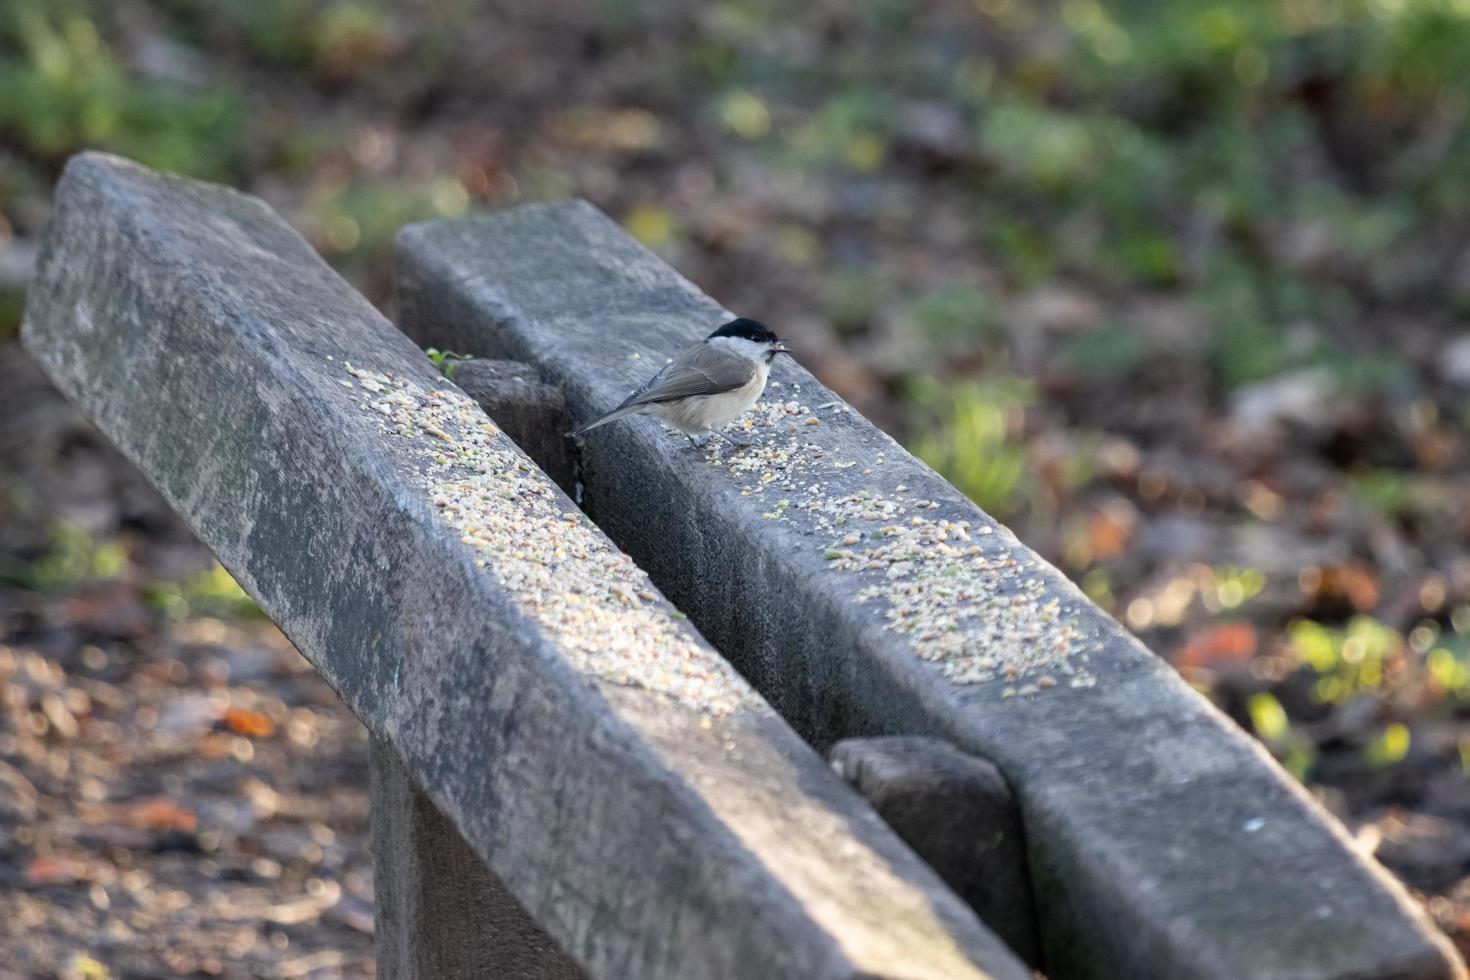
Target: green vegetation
point(66, 84)
point(976, 442)
point(62, 89)
point(12, 308)
point(362, 218)
point(446, 360)
point(1390, 747)
point(1158, 145)
point(1427, 670)
point(1168, 287)
point(1161, 145)
point(1270, 721)
point(1349, 660)
point(213, 593)
point(75, 557)
point(955, 317)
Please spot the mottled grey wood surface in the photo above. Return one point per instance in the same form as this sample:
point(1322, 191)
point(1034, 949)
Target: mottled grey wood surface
point(439, 912)
point(957, 813)
point(654, 823)
point(531, 413)
point(1163, 842)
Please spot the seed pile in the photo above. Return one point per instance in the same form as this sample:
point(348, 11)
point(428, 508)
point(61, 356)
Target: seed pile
point(779, 458)
point(981, 613)
point(590, 598)
point(980, 616)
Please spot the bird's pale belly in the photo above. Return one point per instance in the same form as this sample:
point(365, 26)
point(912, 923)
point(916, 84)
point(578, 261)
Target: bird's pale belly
point(692, 416)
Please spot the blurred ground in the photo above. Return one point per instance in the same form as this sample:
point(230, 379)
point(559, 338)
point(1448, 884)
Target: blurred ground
point(180, 793)
point(1177, 289)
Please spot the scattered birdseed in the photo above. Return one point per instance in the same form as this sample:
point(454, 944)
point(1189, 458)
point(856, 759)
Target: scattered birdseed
point(590, 598)
point(980, 614)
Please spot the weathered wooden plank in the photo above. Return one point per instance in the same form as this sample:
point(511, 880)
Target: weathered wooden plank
point(634, 796)
point(863, 595)
point(439, 910)
point(531, 413)
point(957, 813)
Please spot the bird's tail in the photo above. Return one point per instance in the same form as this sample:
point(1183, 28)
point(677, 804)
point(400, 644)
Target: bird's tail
point(612, 416)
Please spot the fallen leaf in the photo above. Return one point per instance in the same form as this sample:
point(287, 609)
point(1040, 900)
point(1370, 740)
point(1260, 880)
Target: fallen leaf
point(1226, 643)
point(251, 723)
point(159, 813)
point(51, 869)
point(1332, 586)
point(1108, 534)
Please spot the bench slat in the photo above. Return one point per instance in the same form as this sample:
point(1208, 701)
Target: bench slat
point(863, 595)
point(636, 798)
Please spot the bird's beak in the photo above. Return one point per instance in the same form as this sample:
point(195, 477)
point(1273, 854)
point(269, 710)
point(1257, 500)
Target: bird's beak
point(779, 347)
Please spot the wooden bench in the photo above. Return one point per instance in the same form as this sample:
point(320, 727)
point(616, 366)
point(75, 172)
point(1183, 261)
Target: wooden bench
point(642, 805)
point(569, 780)
point(863, 595)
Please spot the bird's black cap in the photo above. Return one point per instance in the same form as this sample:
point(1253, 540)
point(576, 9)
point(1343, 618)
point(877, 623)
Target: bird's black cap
point(747, 330)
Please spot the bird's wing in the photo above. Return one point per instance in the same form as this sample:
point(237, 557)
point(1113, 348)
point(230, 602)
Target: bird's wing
point(704, 371)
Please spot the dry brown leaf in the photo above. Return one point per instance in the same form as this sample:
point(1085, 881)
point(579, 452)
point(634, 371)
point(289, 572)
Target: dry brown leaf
point(1354, 584)
point(159, 813)
point(1226, 643)
point(1108, 535)
point(251, 723)
point(52, 869)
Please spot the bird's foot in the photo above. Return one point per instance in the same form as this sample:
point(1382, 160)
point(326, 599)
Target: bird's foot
point(715, 437)
point(751, 441)
point(702, 443)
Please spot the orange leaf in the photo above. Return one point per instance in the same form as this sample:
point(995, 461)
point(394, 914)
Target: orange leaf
point(1354, 584)
point(1226, 643)
point(49, 869)
point(251, 723)
point(1108, 535)
point(159, 813)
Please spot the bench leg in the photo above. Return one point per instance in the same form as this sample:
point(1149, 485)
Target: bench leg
point(440, 911)
point(957, 813)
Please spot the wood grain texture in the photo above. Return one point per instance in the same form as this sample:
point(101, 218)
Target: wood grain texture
point(957, 813)
point(1162, 841)
point(531, 413)
point(439, 912)
point(648, 835)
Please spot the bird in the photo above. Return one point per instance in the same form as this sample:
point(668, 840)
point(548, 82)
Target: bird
point(708, 385)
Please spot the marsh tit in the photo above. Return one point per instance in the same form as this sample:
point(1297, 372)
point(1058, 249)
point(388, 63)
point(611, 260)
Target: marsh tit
point(708, 385)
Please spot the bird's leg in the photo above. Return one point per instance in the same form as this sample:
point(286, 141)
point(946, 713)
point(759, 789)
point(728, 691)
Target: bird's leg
point(750, 442)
